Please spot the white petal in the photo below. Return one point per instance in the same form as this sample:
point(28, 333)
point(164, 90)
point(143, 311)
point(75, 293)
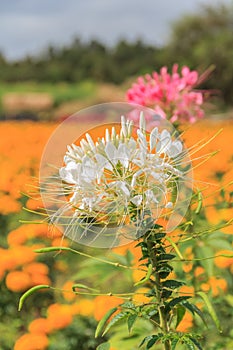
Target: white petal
point(153, 138)
point(123, 126)
point(122, 155)
point(142, 139)
point(169, 205)
point(102, 162)
point(110, 150)
point(90, 141)
point(137, 200)
point(142, 122)
point(175, 149)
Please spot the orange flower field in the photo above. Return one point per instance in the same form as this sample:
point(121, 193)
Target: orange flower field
point(49, 319)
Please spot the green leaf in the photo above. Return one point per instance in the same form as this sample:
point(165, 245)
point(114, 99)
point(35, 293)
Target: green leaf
point(190, 346)
point(101, 325)
point(103, 346)
point(131, 320)
point(159, 236)
point(145, 339)
point(210, 309)
point(128, 305)
point(165, 257)
point(194, 310)
point(180, 312)
point(176, 301)
point(198, 345)
point(114, 320)
point(172, 284)
point(153, 341)
point(29, 292)
point(165, 270)
point(174, 343)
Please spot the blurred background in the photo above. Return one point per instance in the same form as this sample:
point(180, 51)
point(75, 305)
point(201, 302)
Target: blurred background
point(56, 58)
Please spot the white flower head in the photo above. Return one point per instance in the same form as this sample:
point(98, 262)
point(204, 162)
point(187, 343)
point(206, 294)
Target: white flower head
point(114, 185)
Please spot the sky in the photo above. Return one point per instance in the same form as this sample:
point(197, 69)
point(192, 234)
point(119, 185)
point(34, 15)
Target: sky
point(29, 26)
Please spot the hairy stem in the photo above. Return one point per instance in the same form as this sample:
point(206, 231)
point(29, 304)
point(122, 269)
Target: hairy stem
point(154, 250)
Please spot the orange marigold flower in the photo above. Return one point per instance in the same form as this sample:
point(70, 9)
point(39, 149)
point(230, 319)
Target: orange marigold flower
point(60, 242)
point(34, 204)
point(9, 205)
point(67, 291)
point(205, 287)
point(222, 261)
point(138, 275)
point(103, 303)
point(18, 281)
point(217, 285)
point(40, 279)
point(84, 307)
point(32, 342)
point(187, 290)
point(140, 295)
point(187, 267)
point(186, 324)
point(23, 254)
point(36, 268)
point(59, 316)
point(39, 326)
point(199, 270)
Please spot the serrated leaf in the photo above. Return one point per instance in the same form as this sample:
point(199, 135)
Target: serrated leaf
point(166, 257)
point(165, 270)
point(159, 236)
point(131, 321)
point(145, 339)
point(114, 320)
point(176, 301)
point(172, 284)
point(194, 309)
point(103, 346)
point(174, 343)
point(128, 305)
point(198, 345)
point(180, 312)
point(152, 341)
point(210, 309)
point(190, 346)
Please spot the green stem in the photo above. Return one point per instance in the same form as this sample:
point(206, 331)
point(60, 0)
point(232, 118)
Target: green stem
point(153, 253)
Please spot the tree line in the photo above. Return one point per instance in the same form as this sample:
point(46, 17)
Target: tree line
point(199, 40)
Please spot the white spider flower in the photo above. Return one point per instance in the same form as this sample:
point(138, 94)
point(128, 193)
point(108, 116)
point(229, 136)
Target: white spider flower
point(120, 180)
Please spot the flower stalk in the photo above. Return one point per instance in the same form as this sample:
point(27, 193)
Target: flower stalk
point(155, 249)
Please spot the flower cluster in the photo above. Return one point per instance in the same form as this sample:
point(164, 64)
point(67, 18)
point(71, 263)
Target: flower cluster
point(120, 177)
point(170, 95)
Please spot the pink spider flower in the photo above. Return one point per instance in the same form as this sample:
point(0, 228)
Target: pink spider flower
point(171, 95)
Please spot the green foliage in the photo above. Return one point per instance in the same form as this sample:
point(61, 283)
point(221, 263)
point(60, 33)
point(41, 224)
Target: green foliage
point(200, 40)
point(204, 39)
point(102, 323)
